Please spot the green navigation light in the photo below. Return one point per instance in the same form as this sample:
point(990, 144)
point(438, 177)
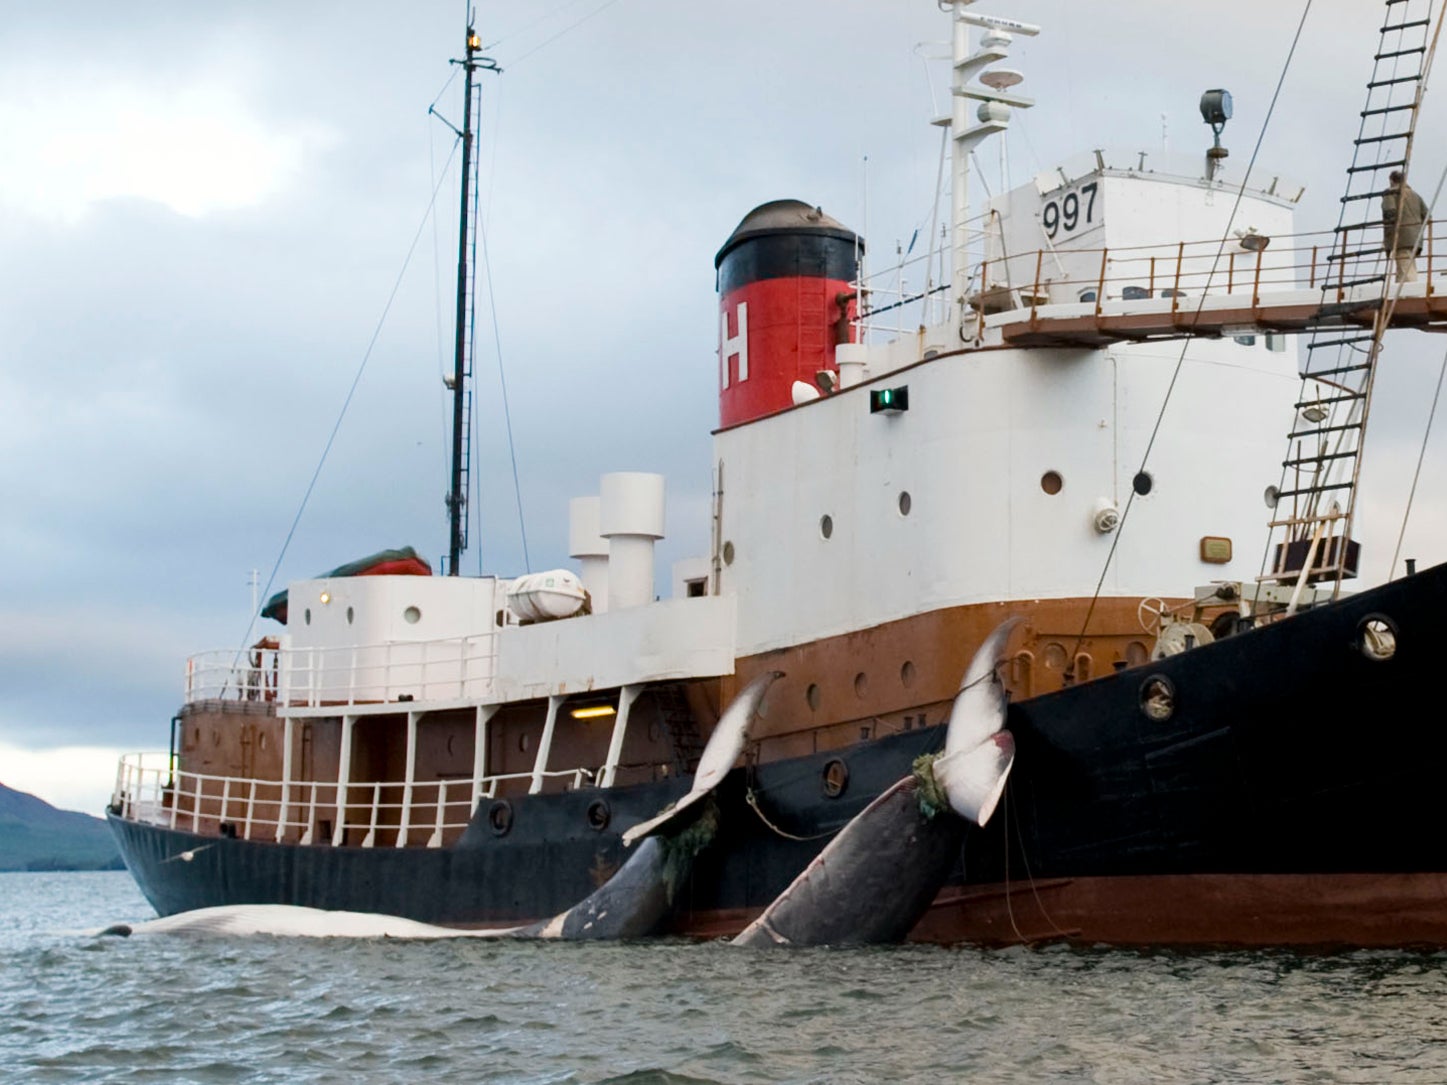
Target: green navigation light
point(889, 400)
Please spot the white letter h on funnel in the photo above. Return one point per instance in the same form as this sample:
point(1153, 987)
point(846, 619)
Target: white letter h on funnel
point(737, 345)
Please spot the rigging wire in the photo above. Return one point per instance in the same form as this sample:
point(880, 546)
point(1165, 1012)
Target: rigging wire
point(506, 412)
point(347, 402)
point(437, 297)
point(570, 27)
point(1431, 416)
point(443, 91)
point(1185, 345)
point(1356, 414)
point(497, 347)
point(528, 26)
point(1417, 474)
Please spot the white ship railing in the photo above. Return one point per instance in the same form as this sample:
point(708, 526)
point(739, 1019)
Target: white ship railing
point(456, 667)
point(150, 790)
point(1257, 264)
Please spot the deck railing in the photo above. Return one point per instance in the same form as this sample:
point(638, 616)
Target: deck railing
point(1251, 263)
point(454, 668)
point(396, 813)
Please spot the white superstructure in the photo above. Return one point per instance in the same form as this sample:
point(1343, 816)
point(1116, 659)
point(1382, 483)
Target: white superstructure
point(998, 480)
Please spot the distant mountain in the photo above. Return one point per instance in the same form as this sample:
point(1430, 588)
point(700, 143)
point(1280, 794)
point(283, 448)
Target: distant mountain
point(36, 836)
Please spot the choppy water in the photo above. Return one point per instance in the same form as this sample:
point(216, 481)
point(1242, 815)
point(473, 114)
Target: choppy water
point(265, 1009)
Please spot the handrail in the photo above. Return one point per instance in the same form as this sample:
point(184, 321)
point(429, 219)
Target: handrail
point(1027, 280)
point(452, 667)
point(150, 790)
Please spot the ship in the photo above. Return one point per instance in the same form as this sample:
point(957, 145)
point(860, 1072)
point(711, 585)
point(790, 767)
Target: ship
point(1123, 406)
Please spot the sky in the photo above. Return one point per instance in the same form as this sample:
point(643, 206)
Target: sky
point(204, 210)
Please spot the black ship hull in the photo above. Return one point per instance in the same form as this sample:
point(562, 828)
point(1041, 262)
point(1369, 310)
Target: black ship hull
point(1285, 791)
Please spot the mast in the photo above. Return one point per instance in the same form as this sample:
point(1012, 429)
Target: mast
point(993, 116)
point(960, 154)
point(457, 491)
point(456, 497)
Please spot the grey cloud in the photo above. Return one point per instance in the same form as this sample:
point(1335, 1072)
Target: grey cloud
point(168, 381)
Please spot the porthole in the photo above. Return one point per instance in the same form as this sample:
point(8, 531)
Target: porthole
point(1051, 482)
point(351, 615)
point(261, 741)
point(812, 695)
point(411, 615)
point(1377, 638)
point(861, 684)
point(450, 740)
point(499, 817)
point(524, 741)
point(1055, 655)
point(905, 502)
point(906, 674)
point(1142, 484)
point(307, 616)
point(826, 526)
point(834, 778)
point(598, 815)
point(655, 730)
point(1158, 698)
point(728, 553)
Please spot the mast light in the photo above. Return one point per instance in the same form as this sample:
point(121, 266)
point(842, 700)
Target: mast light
point(1216, 108)
point(1215, 111)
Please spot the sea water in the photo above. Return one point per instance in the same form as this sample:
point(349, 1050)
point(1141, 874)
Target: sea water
point(75, 1007)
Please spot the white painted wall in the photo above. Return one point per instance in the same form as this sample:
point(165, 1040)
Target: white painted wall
point(363, 644)
point(455, 651)
point(378, 605)
point(675, 638)
point(981, 431)
point(1137, 215)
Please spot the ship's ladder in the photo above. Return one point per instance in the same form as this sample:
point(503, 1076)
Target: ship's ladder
point(1311, 535)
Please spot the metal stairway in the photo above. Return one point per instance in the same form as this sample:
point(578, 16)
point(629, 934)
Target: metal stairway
point(1316, 501)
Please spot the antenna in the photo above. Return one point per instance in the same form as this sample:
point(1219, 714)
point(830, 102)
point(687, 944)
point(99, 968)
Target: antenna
point(996, 102)
point(861, 251)
point(457, 492)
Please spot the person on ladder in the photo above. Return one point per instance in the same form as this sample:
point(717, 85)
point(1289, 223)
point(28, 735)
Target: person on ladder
point(1403, 213)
